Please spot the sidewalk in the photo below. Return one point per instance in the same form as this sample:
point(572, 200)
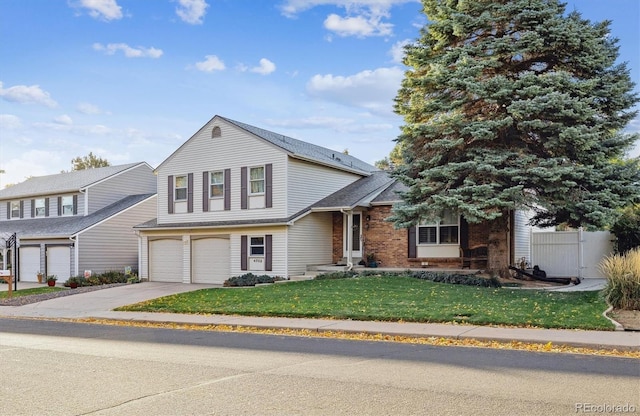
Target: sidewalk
point(100, 304)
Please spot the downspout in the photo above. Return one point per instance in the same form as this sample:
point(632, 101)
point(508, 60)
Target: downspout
point(86, 202)
point(349, 238)
point(76, 253)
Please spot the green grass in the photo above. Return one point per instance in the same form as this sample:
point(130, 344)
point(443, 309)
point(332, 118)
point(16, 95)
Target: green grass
point(32, 291)
point(394, 299)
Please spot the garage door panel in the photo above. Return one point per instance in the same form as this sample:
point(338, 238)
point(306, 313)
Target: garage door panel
point(59, 262)
point(165, 260)
point(210, 260)
point(29, 264)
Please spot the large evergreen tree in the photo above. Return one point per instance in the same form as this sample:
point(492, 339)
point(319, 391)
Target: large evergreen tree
point(513, 104)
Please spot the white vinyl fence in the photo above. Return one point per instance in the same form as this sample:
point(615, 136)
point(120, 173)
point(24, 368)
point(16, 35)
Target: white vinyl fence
point(570, 253)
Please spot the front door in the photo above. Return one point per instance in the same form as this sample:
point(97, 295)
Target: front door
point(355, 234)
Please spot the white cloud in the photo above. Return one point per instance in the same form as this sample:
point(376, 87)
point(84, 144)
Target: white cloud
point(101, 9)
point(192, 11)
point(363, 17)
point(210, 64)
point(397, 51)
point(27, 94)
point(9, 122)
point(266, 67)
point(360, 26)
point(64, 120)
point(372, 90)
point(88, 108)
point(128, 51)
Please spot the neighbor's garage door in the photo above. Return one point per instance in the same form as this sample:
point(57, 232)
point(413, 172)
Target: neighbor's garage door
point(211, 262)
point(165, 260)
point(29, 264)
point(59, 262)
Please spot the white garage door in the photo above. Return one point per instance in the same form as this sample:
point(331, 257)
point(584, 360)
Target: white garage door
point(29, 264)
point(165, 260)
point(59, 262)
point(211, 262)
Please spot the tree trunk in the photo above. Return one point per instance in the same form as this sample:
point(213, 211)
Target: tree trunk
point(498, 246)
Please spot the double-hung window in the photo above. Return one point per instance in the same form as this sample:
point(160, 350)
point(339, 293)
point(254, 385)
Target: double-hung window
point(15, 209)
point(40, 208)
point(256, 246)
point(216, 183)
point(180, 188)
point(67, 205)
point(444, 231)
point(256, 180)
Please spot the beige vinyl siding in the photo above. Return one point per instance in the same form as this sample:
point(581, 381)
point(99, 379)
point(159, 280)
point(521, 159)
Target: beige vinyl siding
point(134, 181)
point(233, 150)
point(117, 234)
point(279, 247)
point(521, 236)
point(309, 183)
point(310, 242)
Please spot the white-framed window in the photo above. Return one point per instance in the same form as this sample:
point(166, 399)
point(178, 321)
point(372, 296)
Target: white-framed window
point(256, 246)
point(15, 209)
point(67, 205)
point(216, 184)
point(444, 231)
point(256, 180)
point(180, 188)
point(40, 208)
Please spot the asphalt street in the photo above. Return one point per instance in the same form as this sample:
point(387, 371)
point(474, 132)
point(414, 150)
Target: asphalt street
point(64, 368)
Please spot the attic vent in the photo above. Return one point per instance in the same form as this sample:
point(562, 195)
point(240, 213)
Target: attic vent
point(216, 132)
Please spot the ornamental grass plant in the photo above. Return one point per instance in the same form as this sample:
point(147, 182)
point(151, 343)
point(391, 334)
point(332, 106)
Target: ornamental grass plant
point(623, 279)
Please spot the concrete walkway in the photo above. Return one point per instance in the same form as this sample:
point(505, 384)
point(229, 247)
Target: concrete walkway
point(100, 304)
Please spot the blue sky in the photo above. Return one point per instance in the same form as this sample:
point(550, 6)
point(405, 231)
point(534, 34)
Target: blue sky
point(131, 80)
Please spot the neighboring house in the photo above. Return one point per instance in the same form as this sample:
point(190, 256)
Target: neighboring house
point(76, 221)
point(235, 198)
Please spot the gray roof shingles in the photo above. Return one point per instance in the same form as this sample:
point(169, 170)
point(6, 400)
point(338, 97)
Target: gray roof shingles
point(307, 150)
point(67, 226)
point(61, 182)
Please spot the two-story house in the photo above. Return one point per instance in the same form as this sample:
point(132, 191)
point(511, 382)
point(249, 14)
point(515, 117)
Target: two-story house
point(75, 221)
point(235, 198)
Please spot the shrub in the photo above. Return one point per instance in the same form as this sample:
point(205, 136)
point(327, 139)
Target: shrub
point(336, 275)
point(457, 279)
point(80, 280)
point(623, 279)
point(250, 279)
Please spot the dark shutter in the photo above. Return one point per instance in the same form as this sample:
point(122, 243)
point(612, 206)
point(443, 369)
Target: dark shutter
point(464, 233)
point(46, 207)
point(243, 252)
point(205, 191)
point(8, 210)
point(170, 194)
point(33, 208)
point(413, 249)
point(268, 185)
point(227, 189)
point(243, 187)
point(75, 204)
point(59, 206)
point(268, 252)
point(21, 209)
point(190, 192)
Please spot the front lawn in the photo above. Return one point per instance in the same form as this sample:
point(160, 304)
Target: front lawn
point(394, 299)
point(31, 291)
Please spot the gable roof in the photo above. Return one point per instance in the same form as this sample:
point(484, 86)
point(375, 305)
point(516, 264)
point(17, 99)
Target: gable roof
point(68, 226)
point(294, 148)
point(64, 182)
point(304, 150)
